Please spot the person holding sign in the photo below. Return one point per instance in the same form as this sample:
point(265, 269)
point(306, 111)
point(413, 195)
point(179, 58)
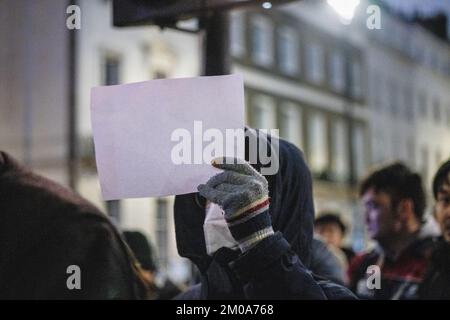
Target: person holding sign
point(260, 247)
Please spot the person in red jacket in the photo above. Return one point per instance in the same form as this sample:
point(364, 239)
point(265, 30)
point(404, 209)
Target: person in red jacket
point(394, 202)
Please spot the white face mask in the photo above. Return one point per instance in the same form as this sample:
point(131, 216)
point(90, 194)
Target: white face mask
point(215, 229)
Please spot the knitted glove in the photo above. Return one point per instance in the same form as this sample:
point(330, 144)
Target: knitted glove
point(243, 195)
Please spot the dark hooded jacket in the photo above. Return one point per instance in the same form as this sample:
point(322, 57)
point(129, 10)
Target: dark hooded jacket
point(45, 229)
point(276, 267)
point(436, 285)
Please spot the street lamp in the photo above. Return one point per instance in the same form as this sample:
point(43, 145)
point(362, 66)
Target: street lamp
point(345, 9)
point(267, 5)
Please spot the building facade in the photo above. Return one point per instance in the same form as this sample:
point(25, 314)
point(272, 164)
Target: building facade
point(107, 55)
point(310, 82)
point(349, 97)
point(409, 71)
point(34, 85)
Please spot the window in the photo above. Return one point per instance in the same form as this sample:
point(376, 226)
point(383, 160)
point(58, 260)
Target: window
point(422, 99)
point(408, 103)
point(448, 116)
point(113, 209)
point(438, 158)
point(263, 114)
point(237, 31)
point(339, 151)
point(436, 110)
point(162, 236)
point(288, 50)
point(378, 146)
point(393, 95)
point(443, 65)
point(396, 144)
point(317, 141)
point(262, 39)
point(359, 147)
point(434, 62)
point(160, 75)
point(387, 31)
point(356, 88)
point(111, 70)
point(337, 71)
point(401, 38)
point(424, 164)
point(418, 54)
point(291, 123)
point(411, 152)
point(314, 63)
point(408, 45)
point(376, 91)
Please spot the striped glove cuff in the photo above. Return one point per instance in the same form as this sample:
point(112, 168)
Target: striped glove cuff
point(251, 224)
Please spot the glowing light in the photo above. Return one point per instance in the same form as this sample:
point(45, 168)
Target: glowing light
point(267, 5)
point(345, 8)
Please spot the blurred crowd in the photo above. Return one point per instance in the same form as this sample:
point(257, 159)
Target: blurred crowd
point(249, 236)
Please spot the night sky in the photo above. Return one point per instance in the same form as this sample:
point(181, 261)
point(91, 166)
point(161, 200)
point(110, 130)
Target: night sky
point(424, 7)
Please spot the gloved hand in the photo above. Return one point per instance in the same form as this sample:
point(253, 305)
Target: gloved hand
point(242, 193)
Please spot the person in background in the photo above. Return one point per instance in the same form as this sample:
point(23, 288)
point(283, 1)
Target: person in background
point(56, 245)
point(437, 280)
point(394, 202)
point(331, 228)
point(144, 253)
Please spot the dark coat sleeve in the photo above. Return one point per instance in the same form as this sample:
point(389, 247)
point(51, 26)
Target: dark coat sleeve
point(324, 263)
point(272, 270)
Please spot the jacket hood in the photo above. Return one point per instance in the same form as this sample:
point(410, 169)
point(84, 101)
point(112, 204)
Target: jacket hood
point(291, 206)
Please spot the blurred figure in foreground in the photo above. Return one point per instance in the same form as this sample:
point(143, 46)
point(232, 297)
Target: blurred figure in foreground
point(47, 233)
point(437, 281)
point(394, 202)
point(144, 253)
